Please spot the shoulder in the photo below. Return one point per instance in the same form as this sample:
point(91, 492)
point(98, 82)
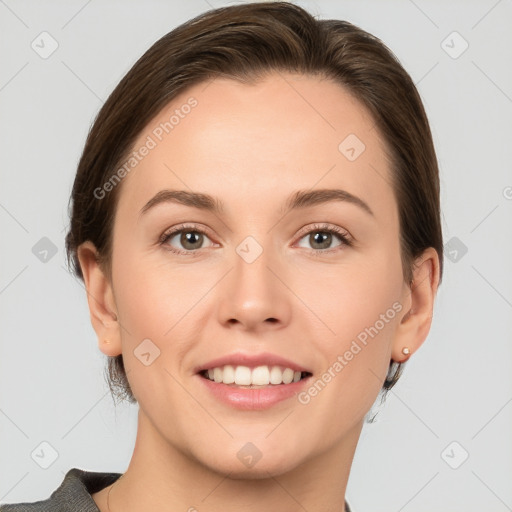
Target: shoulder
point(73, 494)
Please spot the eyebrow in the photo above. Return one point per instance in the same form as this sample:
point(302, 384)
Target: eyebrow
point(298, 200)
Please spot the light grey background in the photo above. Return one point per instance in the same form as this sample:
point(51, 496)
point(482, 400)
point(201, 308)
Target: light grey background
point(457, 387)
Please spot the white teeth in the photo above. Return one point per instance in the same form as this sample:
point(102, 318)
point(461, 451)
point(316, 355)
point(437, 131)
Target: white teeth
point(228, 375)
point(242, 376)
point(288, 376)
point(276, 375)
point(259, 376)
point(217, 374)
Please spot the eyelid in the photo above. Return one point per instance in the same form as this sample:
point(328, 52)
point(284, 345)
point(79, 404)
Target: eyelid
point(345, 238)
point(331, 228)
point(186, 226)
point(190, 226)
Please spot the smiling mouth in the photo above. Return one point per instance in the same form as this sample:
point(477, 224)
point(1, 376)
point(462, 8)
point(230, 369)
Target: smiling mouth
point(258, 377)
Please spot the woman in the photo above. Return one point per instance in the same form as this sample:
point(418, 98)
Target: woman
point(256, 220)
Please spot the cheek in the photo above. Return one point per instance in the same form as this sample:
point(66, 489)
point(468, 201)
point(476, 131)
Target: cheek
point(356, 362)
point(164, 306)
point(346, 299)
point(151, 296)
point(360, 306)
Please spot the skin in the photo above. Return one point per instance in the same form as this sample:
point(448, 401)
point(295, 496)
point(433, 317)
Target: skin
point(252, 145)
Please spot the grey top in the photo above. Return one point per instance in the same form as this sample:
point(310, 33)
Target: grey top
point(74, 494)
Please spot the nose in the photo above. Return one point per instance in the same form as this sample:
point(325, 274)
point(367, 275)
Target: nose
point(254, 296)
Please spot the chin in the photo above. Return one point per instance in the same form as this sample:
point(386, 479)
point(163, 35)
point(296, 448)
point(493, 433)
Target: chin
point(248, 462)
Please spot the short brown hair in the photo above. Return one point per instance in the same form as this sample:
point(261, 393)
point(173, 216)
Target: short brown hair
point(245, 42)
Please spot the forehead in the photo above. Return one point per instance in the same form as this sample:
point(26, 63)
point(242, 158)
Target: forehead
point(241, 141)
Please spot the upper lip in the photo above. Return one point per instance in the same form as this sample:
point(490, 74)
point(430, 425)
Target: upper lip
point(252, 361)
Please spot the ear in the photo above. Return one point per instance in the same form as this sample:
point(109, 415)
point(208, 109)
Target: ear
point(100, 298)
point(418, 301)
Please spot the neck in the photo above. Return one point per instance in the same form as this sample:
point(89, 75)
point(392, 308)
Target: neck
point(162, 476)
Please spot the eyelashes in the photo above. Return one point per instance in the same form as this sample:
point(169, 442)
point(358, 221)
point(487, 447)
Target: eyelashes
point(183, 229)
point(330, 230)
point(200, 234)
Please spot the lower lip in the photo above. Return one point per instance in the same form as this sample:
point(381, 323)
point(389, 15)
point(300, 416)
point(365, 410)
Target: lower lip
point(253, 398)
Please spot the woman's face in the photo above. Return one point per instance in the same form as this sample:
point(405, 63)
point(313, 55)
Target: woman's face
point(255, 277)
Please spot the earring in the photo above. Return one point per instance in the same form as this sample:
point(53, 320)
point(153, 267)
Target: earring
point(406, 351)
